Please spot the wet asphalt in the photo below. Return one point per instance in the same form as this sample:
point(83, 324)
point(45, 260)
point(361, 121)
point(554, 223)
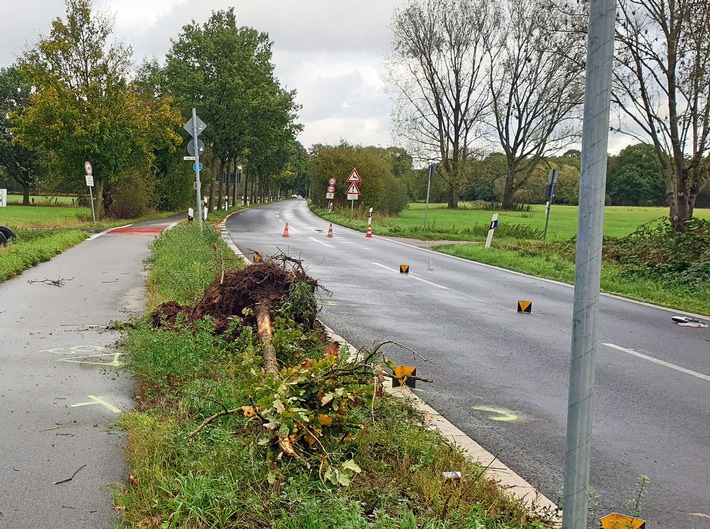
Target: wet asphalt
point(62, 388)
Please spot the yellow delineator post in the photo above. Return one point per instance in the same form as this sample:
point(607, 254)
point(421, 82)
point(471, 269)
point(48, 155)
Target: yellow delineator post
point(404, 269)
point(524, 306)
point(621, 521)
point(402, 376)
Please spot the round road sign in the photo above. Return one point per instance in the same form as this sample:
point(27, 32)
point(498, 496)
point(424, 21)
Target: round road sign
point(88, 168)
point(332, 181)
point(331, 189)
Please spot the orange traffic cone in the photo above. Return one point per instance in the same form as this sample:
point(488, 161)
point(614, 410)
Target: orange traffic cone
point(285, 233)
point(216, 227)
point(330, 230)
point(369, 232)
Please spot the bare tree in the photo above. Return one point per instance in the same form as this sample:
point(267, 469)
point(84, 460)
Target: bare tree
point(438, 71)
point(662, 89)
point(536, 83)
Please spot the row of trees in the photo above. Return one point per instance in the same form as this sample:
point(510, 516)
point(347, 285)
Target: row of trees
point(73, 97)
point(476, 76)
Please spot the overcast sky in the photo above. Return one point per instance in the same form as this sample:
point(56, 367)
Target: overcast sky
point(331, 52)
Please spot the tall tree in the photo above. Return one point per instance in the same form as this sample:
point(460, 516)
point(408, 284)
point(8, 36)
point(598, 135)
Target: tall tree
point(635, 177)
point(225, 72)
point(438, 71)
point(535, 83)
point(21, 164)
point(662, 90)
point(83, 107)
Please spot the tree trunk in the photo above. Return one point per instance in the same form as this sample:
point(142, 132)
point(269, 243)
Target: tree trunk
point(220, 192)
point(213, 181)
point(246, 188)
point(453, 198)
point(99, 199)
point(25, 194)
point(227, 182)
point(508, 201)
point(263, 322)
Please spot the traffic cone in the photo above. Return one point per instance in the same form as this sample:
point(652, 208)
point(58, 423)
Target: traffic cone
point(285, 233)
point(216, 227)
point(330, 230)
point(369, 232)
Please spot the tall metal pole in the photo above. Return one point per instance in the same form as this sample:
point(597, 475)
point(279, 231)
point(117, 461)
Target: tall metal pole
point(197, 166)
point(428, 188)
point(600, 54)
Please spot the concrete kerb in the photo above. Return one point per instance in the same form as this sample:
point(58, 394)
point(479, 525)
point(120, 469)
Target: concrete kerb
point(496, 470)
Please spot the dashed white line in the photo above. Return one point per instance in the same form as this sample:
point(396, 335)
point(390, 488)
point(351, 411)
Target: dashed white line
point(321, 242)
point(659, 362)
point(412, 276)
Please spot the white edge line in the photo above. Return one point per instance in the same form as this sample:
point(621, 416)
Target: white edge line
point(413, 276)
point(659, 362)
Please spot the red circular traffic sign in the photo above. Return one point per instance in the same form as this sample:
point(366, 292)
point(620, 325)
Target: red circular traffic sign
point(88, 169)
point(331, 189)
point(332, 181)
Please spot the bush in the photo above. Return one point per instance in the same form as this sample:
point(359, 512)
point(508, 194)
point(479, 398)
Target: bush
point(394, 200)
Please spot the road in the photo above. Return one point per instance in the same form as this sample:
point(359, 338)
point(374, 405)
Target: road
point(501, 376)
point(60, 389)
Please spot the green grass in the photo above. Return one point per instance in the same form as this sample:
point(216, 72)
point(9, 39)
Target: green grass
point(49, 217)
point(556, 261)
point(230, 474)
point(35, 247)
point(45, 200)
point(467, 223)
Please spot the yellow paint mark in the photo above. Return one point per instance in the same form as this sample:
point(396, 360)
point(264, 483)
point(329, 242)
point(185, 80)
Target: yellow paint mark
point(524, 306)
point(100, 401)
point(500, 414)
point(113, 360)
point(404, 269)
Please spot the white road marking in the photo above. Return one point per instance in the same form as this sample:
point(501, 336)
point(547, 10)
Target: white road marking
point(321, 242)
point(412, 276)
point(659, 362)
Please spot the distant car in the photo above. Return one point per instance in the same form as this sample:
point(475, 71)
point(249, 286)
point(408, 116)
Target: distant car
point(296, 196)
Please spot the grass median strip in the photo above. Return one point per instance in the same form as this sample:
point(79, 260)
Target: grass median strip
point(217, 442)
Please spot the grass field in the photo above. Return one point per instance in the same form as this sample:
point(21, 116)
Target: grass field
point(16, 216)
point(618, 220)
point(44, 200)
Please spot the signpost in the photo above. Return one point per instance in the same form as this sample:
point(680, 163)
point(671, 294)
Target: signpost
point(194, 128)
point(353, 190)
point(90, 183)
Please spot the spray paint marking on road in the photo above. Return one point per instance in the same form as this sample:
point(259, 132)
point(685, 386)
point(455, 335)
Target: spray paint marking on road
point(413, 276)
point(100, 401)
point(321, 242)
point(499, 414)
point(659, 362)
point(79, 355)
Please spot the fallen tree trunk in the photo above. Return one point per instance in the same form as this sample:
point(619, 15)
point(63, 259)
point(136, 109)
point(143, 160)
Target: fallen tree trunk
point(263, 323)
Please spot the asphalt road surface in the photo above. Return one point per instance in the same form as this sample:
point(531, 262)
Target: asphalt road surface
point(60, 391)
point(501, 376)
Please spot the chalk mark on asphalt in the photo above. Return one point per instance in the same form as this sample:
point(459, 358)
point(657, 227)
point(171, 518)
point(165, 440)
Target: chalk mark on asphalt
point(100, 401)
point(499, 414)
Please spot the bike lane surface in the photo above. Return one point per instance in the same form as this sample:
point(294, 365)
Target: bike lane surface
point(61, 387)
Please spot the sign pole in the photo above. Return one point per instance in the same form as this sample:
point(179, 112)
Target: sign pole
point(197, 165)
point(90, 183)
point(93, 213)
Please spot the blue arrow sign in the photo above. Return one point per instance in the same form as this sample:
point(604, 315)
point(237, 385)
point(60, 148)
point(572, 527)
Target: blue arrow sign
point(196, 168)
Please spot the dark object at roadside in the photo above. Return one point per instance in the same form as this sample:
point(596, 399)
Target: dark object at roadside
point(6, 234)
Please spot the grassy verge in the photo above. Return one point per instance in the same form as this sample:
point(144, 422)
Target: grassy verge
point(556, 261)
point(217, 443)
point(35, 247)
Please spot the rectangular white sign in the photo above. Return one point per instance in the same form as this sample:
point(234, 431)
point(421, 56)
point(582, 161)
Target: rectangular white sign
point(90, 180)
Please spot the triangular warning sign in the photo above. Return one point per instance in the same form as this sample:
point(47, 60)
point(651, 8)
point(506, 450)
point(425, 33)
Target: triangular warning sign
point(354, 176)
point(353, 189)
point(524, 306)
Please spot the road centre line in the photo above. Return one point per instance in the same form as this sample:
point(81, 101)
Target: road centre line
point(321, 242)
point(412, 276)
point(659, 362)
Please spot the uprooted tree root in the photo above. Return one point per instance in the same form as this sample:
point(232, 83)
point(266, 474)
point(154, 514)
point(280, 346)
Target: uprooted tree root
point(278, 284)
